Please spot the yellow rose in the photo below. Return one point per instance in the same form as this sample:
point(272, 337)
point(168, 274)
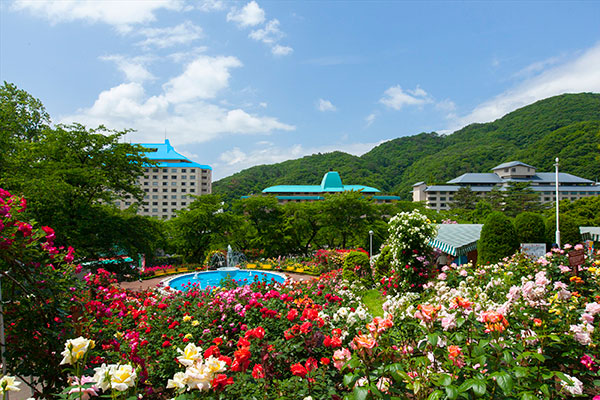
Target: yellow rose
point(195, 322)
point(187, 318)
point(123, 378)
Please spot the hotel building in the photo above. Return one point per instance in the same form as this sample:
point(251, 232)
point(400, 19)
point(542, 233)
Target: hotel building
point(570, 187)
point(169, 184)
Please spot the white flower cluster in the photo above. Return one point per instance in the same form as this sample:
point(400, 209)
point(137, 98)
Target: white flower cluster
point(199, 372)
point(357, 316)
point(409, 231)
point(397, 305)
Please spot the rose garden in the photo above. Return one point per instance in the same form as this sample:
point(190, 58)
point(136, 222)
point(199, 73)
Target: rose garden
point(519, 328)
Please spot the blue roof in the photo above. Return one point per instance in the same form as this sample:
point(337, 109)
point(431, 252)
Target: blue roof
point(563, 178)
point(331, 182)
point(477, 178)
point(512, 164)
point(166, 155)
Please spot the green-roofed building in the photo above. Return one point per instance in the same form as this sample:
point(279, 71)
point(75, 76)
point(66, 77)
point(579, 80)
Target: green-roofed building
point(331, 183)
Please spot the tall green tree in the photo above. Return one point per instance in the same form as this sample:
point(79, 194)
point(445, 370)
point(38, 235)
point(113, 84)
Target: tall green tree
point(348, 217)
point(464, 198)
point(203, 226)
point(265, 228)
point(519, 197)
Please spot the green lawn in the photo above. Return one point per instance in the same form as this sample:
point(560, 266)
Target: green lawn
point(373, 300)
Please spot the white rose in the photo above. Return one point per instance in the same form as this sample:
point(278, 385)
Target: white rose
point(123, 377)
point(75, 349)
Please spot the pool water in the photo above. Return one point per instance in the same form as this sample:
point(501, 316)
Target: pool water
point(213, 278)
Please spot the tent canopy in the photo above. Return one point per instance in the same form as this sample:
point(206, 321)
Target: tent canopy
point(590, 233)
point(457, 239)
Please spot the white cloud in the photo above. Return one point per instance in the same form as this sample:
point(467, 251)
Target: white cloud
point(396, 98)
point(582, 74)
point(370, 119)
point(263, 104)
point(182, 108)
point(120, 14)
point(325, 105)
point(133, 68)
point(269, 34)
point(203, 78)
point(279, 50)
point(183, 33)
point(211, 5)
point(236, 159)
point(250, 15)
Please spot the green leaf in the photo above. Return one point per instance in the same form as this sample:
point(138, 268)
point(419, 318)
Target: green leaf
point(466, 385)
point(433, 339)
point(520, 372)
point(505, 381)
point(361, 393)
point(437, 395)
point(445, 380)
point(545, 390)
point(451, 392)
point(528, 396)
point(349, 379)
point(479, 387)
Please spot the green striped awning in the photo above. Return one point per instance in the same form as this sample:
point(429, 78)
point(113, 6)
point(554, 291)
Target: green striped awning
point(456, 239)
point(590, 233)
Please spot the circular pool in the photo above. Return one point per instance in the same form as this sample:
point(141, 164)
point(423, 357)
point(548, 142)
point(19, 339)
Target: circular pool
point(202, 280)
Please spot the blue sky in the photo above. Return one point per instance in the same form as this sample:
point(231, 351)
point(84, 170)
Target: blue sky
point(237, 84)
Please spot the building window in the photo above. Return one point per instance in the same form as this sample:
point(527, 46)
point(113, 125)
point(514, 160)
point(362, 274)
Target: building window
point(182, 190)
point(192, 170)
point(183, 177)
point(192, 183)
point(155, 196)
point(173, 203)
point(155, 170)
point(173, 196)
point(165, 190)
point(146, 190)
point(174, 170)
point(154, 190)
point(173, 190)
point(145, 183)
point(505, 169)
point(173, 176)
point(183, 170)
point(165, 176)
point(154, 183)
point(192, 176)
point(183, 203)
point(155, 210)
point(442, 199)
point(443, 205)
point(146, 197)
point(154, 176)
point(192, 190)
point(165, 196)
point(155, 203)
point(173, 183)
point(433, 205)
point(182, 183)
point(146, 169)
point(513, 170)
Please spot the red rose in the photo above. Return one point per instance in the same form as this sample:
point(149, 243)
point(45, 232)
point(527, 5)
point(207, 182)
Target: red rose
point(298, 370)
point(258, 371)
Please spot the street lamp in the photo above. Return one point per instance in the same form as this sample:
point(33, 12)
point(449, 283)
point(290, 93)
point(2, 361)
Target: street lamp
point(557, 238)
point(370, 243)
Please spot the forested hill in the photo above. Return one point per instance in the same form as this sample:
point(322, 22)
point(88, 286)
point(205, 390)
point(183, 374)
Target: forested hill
point(565, 126)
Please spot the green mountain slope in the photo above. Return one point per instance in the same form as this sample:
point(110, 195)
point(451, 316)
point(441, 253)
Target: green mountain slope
point(565, 126)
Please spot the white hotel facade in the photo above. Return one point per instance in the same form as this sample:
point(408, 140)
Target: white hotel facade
point(571, 187)
point(169, 184)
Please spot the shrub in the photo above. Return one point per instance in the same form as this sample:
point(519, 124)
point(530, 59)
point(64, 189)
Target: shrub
point(530, 228)
point(382, 263)
point(569, 230)
point(357, 267)
point(498, 239)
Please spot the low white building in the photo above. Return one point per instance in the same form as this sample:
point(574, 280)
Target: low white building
point(571, 187)
point(168, 185)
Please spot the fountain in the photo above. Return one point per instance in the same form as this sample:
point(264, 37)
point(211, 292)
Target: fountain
point(233, 259)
